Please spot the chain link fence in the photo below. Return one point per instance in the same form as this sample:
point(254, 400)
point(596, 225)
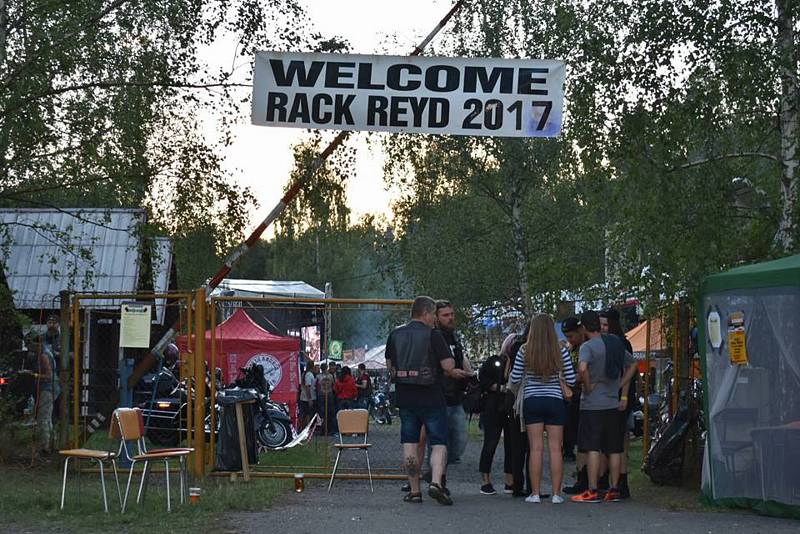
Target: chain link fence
point(105, 376)
point(286, 337)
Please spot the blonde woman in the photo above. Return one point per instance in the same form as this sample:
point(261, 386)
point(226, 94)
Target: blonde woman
point(544, 365)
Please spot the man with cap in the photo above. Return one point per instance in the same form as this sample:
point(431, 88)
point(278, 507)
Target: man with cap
point(571, 328)
point(604, 368)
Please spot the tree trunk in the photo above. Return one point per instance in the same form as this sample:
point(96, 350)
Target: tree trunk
point(3, 36)
point(789, 123)
point(520, 252)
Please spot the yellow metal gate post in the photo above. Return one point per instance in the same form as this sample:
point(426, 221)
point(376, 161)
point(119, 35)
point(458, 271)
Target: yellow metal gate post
point(200, 381)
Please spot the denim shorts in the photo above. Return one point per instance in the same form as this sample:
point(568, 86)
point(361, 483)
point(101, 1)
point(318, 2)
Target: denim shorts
point(547, 410)
point(434, 419)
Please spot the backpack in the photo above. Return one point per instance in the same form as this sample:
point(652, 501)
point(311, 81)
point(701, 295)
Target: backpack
point(474, 398)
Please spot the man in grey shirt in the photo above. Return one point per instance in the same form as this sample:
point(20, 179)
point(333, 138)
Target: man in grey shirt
point(604, 366)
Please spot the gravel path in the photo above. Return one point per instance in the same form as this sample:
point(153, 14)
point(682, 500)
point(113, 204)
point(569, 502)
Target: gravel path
point(351, 508)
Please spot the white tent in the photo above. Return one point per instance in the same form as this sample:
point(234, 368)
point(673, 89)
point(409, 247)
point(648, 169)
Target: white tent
point(375, 358)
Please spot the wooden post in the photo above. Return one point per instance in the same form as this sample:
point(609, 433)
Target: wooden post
point(63, 371)
point(76, 371)
point(199, 381)
point(646, 438)
point(242, 442)
point(676, 364)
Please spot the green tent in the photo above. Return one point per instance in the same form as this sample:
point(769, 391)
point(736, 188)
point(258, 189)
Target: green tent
point(749, 322)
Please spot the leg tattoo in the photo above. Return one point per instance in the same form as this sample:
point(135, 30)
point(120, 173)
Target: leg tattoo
point(412, 469)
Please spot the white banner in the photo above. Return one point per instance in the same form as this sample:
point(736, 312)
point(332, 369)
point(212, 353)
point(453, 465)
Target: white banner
point(438, 95)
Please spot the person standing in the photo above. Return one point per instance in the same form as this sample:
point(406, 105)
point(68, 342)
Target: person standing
point(610, 324)
point(52, 338)
point(604, 367)
point(308, 394)
point(454, 388)
point(325, 400)
point(346, 391)
point(571, 328)
point(493, 417)
point(515, 439)
point(548, 371)
point(48, 391)
point(364, 385)
point(417, 355)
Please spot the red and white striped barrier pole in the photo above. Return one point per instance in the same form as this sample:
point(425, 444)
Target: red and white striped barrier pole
point(237, 254)
point(242, 249)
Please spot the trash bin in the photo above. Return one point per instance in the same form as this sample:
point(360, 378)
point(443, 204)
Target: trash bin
point(228, 455)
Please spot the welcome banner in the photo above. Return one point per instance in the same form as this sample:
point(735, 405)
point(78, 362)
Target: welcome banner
point(438, 95)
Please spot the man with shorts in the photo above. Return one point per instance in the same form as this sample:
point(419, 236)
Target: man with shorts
point(417, 356)
point(604, 367)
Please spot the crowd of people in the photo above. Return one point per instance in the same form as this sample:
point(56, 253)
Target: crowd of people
point(538, 393)
point(329, 388)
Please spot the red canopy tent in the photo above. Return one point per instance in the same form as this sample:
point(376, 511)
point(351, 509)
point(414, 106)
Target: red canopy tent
point(240, 342)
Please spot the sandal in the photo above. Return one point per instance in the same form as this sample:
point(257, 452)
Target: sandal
point(436, 492)
point(415, 498)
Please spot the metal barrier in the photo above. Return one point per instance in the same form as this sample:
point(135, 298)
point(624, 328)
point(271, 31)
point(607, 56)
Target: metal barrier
point(341, 331)
point(99, 364)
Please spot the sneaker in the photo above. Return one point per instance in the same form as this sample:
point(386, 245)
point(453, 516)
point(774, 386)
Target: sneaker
point(406, 488)
point(533, 498)
point(520, 493)
point(581, 484)
point(508, 490)
point(556, 499)
point(587, 496)
point(612, 495)
point(488, 489)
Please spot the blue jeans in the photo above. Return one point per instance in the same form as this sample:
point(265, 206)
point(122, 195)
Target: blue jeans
point(456, 434)
point(433, 419)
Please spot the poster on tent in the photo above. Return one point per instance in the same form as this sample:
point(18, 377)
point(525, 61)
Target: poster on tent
point(280, 369)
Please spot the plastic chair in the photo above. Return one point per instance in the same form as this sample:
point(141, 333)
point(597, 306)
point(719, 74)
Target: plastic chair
point(96, 456)
point(131, 428)
point(352, 423)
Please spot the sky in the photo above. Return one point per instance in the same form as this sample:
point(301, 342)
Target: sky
point(261, 157)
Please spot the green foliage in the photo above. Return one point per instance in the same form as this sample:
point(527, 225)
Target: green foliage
point(99, 100)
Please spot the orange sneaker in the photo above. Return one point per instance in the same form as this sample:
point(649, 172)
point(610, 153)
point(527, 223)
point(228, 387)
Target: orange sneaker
point(612, 495)
point(587, 496)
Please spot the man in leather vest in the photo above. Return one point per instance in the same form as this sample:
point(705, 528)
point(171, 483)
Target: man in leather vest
point(417, 356)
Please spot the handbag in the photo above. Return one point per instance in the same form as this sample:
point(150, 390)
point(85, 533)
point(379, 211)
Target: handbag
point(518, 390)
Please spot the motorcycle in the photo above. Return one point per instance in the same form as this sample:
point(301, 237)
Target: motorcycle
point(380, 409)
point(272, 420)
point(163, 399)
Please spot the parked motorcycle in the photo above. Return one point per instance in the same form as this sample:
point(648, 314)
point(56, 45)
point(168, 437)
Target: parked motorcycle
point(163, 399)
point(380, 409)
point(272, 420)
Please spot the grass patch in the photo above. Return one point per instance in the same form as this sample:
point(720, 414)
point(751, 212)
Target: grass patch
point(316, 454)
point(29, 499)
point(675, 498)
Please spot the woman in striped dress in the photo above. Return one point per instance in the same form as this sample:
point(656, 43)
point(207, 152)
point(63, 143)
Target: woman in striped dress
point(544, 365)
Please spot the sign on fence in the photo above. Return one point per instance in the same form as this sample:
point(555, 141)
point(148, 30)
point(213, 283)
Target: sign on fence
point(440, 95)
point(134, 330)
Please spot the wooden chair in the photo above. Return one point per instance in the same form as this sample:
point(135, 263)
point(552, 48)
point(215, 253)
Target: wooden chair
point(131, 428)
point(95, 456)
point(352, 423)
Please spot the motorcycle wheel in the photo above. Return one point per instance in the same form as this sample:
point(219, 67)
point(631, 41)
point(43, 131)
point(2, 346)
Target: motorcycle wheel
point(279, 435)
